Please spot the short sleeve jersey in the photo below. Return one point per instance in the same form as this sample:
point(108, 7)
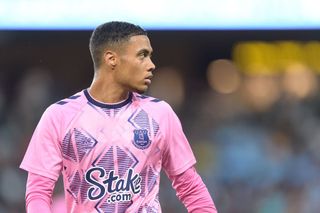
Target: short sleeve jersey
point(110, 155)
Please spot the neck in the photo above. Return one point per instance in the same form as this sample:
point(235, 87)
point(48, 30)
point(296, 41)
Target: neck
point(103, 89)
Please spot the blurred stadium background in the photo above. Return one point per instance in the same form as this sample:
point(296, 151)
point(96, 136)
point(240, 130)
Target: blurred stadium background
point(246, 91)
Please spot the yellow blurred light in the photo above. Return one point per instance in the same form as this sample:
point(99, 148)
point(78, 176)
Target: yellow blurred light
point(255, 57)
point(223, 76)
point(270, 58)
point(289, 52)
point(312, 55)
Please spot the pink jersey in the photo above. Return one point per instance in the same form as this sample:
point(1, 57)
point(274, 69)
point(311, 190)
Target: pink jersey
point(110, 155)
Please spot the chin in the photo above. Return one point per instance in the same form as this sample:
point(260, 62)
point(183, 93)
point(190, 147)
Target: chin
point(140, 90)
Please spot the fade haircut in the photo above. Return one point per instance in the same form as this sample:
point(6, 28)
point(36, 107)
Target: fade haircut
point(109, 35)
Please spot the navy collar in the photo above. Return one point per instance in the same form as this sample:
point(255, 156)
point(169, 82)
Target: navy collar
point(104, 105)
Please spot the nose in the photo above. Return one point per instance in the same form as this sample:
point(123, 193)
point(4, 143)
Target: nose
point(152, 66)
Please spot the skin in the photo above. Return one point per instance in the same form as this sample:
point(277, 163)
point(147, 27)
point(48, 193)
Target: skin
point(127, 68)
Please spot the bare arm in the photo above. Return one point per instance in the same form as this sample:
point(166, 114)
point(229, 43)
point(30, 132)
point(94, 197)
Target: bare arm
point(39, 193)
point(192, 192)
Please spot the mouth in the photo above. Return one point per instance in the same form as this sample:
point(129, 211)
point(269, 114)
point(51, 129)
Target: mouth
point(147, 80)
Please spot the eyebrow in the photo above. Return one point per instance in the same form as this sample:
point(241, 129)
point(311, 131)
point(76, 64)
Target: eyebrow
point(149, 52)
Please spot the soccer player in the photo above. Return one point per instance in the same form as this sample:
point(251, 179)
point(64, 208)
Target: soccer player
point(109, 141)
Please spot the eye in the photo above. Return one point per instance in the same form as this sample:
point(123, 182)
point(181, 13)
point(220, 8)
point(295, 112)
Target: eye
point(144, 54)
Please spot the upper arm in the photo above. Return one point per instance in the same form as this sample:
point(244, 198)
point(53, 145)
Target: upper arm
point(178, 155)
point(43, 156)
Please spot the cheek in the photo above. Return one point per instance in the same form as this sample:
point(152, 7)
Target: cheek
point(130, 75)
point(136, 69)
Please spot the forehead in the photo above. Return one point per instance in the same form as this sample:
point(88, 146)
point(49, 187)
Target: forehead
point(136, 43)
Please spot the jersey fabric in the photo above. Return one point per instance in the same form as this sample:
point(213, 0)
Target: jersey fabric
point(110, 155)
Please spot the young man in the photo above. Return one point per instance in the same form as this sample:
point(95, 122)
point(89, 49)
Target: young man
point(109, 141)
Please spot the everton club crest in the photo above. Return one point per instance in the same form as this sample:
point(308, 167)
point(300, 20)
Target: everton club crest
point(141, 139)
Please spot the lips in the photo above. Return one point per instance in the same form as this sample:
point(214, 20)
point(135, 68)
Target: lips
point(147, 80)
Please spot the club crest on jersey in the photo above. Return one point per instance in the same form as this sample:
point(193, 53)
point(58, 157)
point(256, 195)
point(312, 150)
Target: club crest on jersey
point(141, 139)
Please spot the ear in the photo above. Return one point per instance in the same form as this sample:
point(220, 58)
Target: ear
point(110, 58)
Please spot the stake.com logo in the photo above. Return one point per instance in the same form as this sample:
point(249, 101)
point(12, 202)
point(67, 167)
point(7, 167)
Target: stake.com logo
point(120, 189)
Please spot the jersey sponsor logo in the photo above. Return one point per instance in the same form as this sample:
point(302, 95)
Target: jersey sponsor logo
point(141, 139)
point(118, 189)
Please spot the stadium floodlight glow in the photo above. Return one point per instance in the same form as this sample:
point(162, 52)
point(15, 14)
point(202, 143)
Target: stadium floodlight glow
point(165, 14)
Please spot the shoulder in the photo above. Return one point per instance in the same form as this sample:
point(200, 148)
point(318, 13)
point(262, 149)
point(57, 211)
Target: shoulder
point(67, 106)
point(157, 108)
point(72, 101)
point(151, 102)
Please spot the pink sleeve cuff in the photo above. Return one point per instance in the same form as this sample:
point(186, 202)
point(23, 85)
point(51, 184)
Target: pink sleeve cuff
point(38, 193)
point(192, 192)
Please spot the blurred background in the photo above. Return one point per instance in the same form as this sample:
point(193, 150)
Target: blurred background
point(243, 78)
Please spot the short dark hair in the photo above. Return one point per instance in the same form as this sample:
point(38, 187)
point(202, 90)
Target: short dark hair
point(110, 34)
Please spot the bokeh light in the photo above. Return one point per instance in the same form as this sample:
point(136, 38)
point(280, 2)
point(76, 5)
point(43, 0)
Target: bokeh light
point(223, 76)
point(168, 85)
point(299, 81)
point(261, 92)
